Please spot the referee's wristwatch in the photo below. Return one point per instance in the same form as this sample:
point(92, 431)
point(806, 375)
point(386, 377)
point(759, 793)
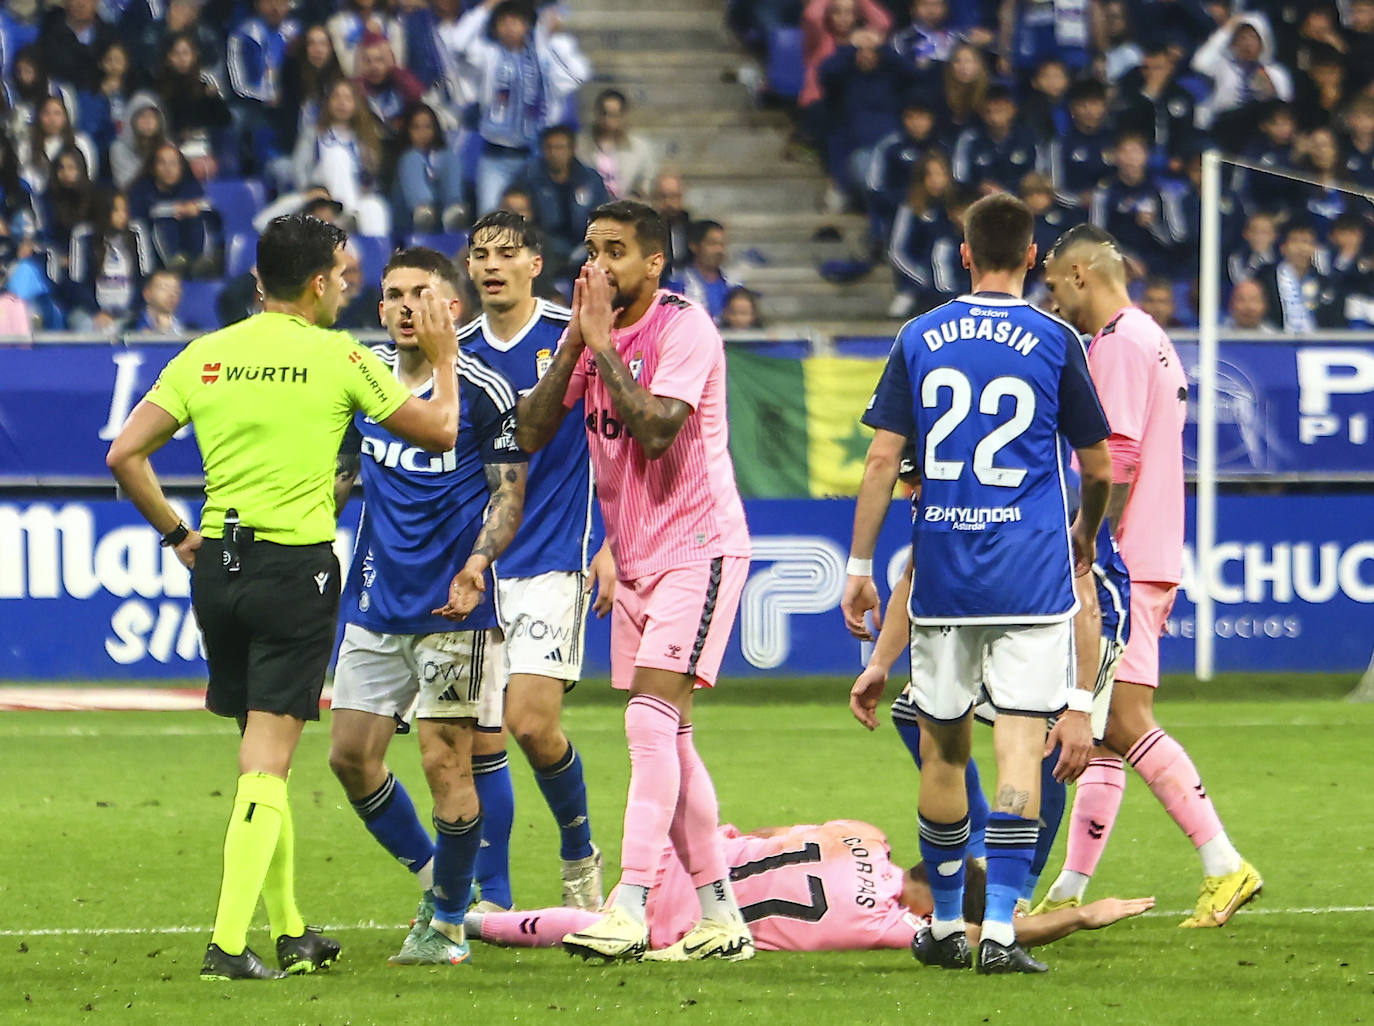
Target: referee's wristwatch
point(176, 535)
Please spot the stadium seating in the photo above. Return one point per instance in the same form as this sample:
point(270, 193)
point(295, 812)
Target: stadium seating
point(237, 200)
point(372, 255)
point(197, 307)
point(240, 253)
point(785, 62)
point(448, 243)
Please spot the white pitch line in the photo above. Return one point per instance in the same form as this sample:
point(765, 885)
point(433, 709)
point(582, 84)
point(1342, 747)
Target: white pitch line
point(373, 925)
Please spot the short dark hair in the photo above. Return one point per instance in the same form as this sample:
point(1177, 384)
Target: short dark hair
point(650, 231)
point(1135, 136)
point(698, 230)
point(1087, 89)
point(975, 887)
point(521, 229)
point(1348, 222)
point(293, 249)
point(998, 230)
point(422, 258)
point(1159, 281)
point(998, 92)
point(1081, 233)
point(612, 94)
point(554, 130)
point(1304, 226)
point(521, 9)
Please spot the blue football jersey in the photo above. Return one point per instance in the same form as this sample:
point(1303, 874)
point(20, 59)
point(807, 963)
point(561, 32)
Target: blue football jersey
point(987, 385)
point(422, 511)
point(1109, 571)
point(558, 496)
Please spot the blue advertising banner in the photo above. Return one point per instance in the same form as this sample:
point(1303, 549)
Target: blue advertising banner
point(87, 594)
point(1298, 410)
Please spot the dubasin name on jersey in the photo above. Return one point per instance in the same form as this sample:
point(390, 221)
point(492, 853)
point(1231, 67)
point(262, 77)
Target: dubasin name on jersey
point(990, 325)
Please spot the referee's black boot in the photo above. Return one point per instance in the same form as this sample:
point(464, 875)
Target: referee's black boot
point(221, 966)
point(306, 953)
point(949, 953)
point(994, 958)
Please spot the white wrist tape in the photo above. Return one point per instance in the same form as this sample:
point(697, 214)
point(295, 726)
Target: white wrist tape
point(1080, 701)
point(859, 567)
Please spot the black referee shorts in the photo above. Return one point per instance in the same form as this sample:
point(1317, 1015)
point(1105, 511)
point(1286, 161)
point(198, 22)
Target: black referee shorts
point(269, 628)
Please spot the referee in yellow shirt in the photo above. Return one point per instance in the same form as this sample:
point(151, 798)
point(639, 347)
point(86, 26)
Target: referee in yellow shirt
point(270, 398)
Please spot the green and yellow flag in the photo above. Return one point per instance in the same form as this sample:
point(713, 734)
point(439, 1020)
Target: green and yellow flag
point(794, 424)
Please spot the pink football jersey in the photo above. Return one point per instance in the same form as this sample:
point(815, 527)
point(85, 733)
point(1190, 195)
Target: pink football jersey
point(683, 507)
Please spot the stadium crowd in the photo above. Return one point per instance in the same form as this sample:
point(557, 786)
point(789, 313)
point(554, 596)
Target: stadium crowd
point(146, 145)
point(1098, 110)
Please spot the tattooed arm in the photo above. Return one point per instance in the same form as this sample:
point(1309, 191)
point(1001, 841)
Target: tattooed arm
point(539, 414)
point(652, 420)
point(1116, 505)
point(348, 466)
point(506, 482)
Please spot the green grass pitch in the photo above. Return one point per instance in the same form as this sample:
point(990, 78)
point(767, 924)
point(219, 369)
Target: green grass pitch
point(113, 822)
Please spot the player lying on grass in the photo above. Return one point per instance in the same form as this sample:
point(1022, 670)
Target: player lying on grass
point(831, 887)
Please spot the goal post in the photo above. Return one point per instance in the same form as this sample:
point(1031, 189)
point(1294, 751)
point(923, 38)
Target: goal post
point(1209, 315)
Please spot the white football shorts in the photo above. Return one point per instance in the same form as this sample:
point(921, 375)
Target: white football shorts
point(448, 676)
point(544, 619)
point(1019, 669)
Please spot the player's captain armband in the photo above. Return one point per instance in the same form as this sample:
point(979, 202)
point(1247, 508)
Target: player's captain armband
point(1125, 458)
point(1080, 701)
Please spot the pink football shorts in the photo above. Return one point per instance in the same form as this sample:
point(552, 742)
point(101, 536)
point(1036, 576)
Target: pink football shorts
point(1150, 606)
point(677, 619)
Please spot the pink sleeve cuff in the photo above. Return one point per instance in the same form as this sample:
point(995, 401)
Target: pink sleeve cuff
point(1125, 458)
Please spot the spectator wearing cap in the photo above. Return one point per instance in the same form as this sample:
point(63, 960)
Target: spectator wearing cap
point(1358, 120)
point(1272, 149)
point(703, 281)
point(924, 247)
point(1146, 222)
point(1239, 59)
point(355, 24)
point(256, 60)
point(864, 83)
point(1150, 101)
point(1033, 30)
point(623, 159)
point(71, 41)
point(1297, 285)
point(999, 152)
point(1045, 107)
point(889, 169)
point(1248, 309)
point(1080, 159)
point(522, 82)
point(1257, 249)
point(926, 44)
point(563, 191)
point(390, 89)
point(430, 190)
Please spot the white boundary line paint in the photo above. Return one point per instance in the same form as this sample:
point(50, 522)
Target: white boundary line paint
point(373, 925)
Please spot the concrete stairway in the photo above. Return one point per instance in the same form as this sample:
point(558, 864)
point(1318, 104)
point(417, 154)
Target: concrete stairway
point(678, 63)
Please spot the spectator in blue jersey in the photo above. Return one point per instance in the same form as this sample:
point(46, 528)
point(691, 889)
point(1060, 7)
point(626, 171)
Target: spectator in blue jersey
point(563, 191)
point(356, 23)
point(108, 264)
point(197, 113)
point(983, 600)
point(1081, 158)
point(1239, 59)
point(999, 152)
point(1257, 249)
point(1045, 107)
point(422, 631)
point(864, 83)
point(389, 88)
point(522, 83)
point(1272, 148)
point(256, 60)
point(1147, 222)
point(430, 192)
point(1297, 285)
point(423, 49)
point(171, 205)
point(1034, 30)
point(924, 247)
point(926, 43)
point(71, 41)
point(99, 112)
point(542, 578)
point(1150, 101)
point(1327, 201)
point(1053, 217)
point(1351, 275)
point(889, 170)
point(342, 151)
point(1358, 121)
point(161, 297)
point(703, 281)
